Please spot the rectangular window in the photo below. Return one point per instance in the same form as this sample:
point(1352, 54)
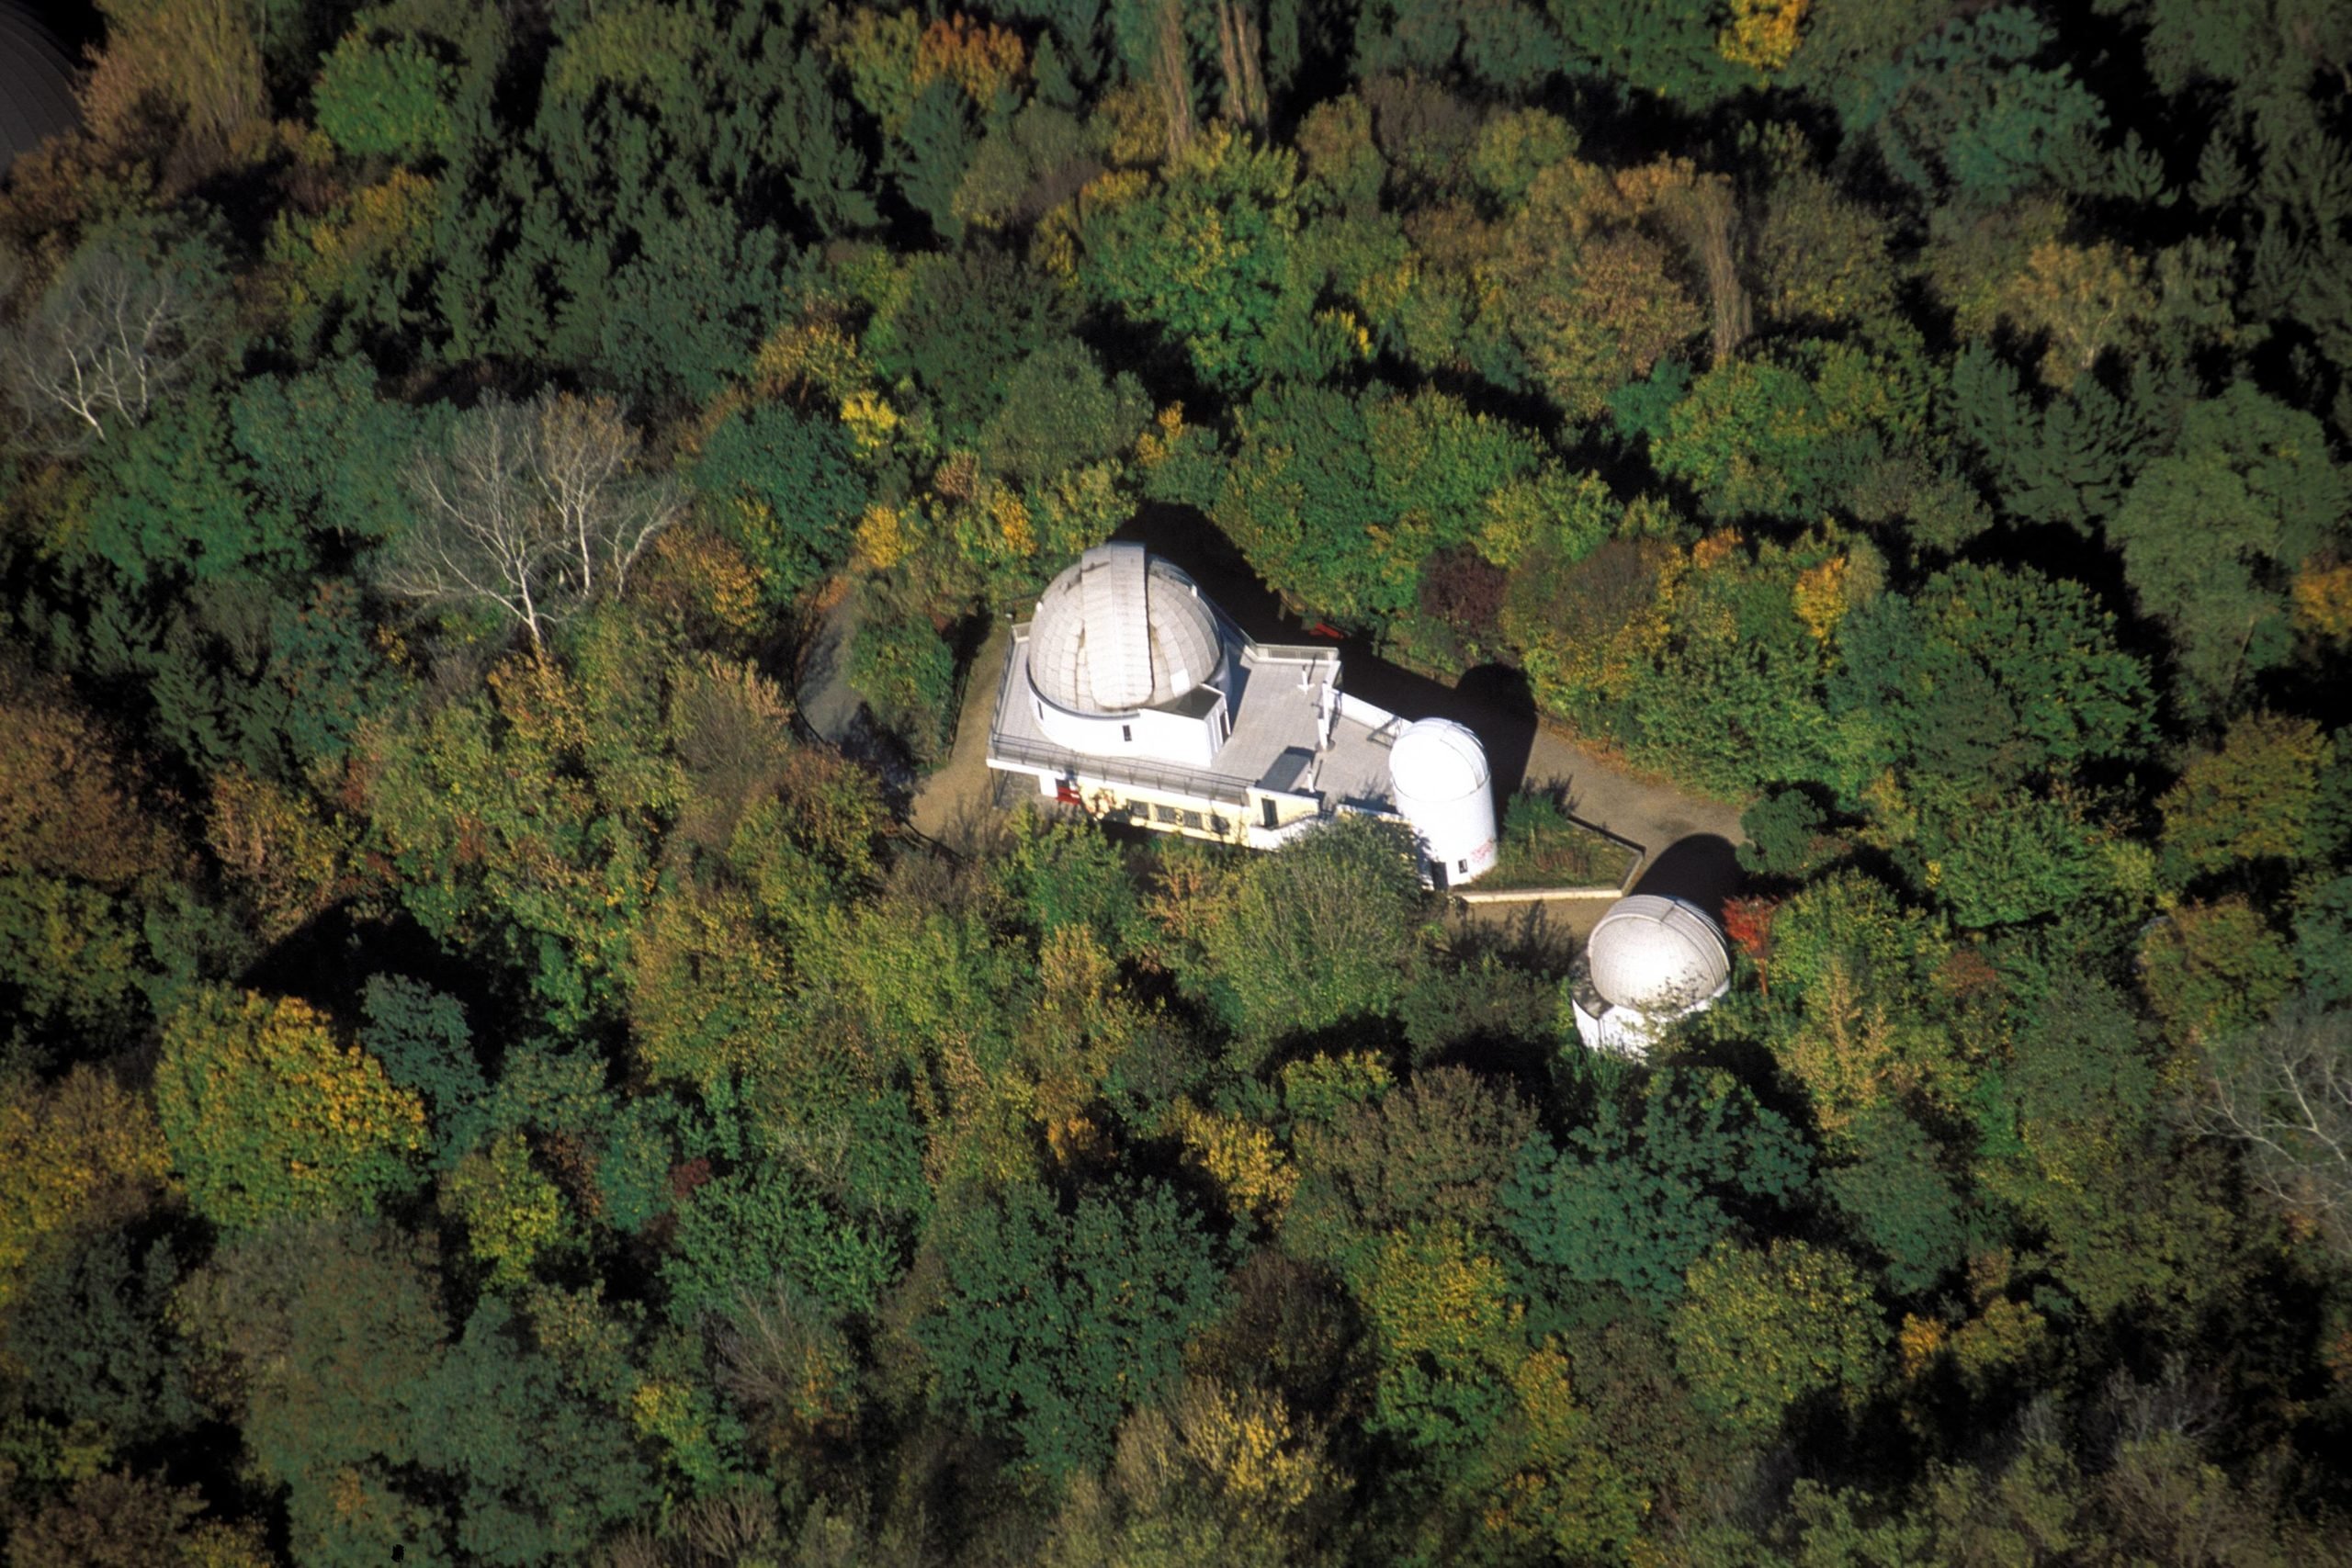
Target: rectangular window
point(1126, 732)
point(1268, 809)
point(1462, 867)
point(1165, 813)
point(1191, 819)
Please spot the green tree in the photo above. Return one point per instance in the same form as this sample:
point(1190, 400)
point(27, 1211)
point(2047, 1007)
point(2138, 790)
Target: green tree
point(317, 1337)
point(421, 1037)
point(783, 486)
point(751, 1228)
point(1984, 679)
point(386, 97)
point(90, 1332)
point(1761, 1330)
point(512, 1213)
point(548, 866)
point(1056, 1324)
point(1954, 702)
point(540, 1474)
point(1784, 833)
point(2074, 1134)
point(1205, 255)
point(906, 672)
point(270, 1116)
point(124, 1521)
point(1434, 1152)
point(1060, 412)
point(2256, 798)
point(1648, 1185)
point(1314, 935)
point(1448, 1335)
point(963, 325)
point(1787, 436)
point(1896, 1191)
point(1666, 47)
point(1967, 113)
point(2210, 533)
point(2068, 461)
point(1298, 497)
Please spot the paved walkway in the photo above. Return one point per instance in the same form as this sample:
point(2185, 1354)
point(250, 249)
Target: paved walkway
point(1687, 839)
point(958, 791)
point(827, 701)
point(1650, 811)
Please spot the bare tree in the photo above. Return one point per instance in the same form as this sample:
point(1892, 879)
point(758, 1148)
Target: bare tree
point(2285, 1092)
point(1238, 48)
point(531, 509)
point(109, 337)
point(1705, 216)
point(1172, 72)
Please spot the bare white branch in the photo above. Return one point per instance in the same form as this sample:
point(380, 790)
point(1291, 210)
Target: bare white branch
point(2285, 1094)
point(531, 509)
point(107, 339)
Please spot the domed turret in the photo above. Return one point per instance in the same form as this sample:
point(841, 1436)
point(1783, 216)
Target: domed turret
point(1648, 962)
point(1128, 659)
point(1120, 630)
point(36, 83)
point(1437, 774)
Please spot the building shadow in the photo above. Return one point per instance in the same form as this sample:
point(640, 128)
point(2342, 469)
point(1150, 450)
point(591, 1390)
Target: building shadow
point(1700, 870)
point(1493, 699)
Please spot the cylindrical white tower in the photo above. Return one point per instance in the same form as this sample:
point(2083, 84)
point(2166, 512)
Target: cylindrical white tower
point(1437, 772)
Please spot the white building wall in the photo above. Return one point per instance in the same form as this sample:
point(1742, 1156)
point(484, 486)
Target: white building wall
point(1146, 735)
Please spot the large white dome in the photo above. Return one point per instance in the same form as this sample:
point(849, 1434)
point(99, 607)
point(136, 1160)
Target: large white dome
point(1657, 956)
point(36, 83)
point(1120, 629)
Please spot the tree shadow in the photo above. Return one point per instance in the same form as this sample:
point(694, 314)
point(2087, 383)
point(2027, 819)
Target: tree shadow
point(1702, 870)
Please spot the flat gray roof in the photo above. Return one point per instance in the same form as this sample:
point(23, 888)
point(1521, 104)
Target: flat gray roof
point(1276, 728)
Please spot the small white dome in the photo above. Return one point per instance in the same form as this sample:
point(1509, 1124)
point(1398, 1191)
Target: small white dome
point(1657, 955)
point(1437, 760)
point(1120, 629)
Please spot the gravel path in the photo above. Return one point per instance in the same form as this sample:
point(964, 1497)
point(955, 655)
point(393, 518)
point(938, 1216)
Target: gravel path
point(959, 788)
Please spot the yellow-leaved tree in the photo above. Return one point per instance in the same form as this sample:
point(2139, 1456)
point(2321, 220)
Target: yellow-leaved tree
point(268, 1114)
point(77, 1155)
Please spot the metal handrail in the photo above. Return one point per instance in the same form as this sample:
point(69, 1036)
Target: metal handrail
point(1225, 788)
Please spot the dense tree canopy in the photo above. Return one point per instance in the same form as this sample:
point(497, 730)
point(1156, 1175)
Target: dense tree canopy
point(500, 508)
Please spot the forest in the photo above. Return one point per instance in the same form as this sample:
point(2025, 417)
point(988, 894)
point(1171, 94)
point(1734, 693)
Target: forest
point(481, 1082)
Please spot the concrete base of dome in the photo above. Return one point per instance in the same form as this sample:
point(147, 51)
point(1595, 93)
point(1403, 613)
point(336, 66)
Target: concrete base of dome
point(1625, 1031)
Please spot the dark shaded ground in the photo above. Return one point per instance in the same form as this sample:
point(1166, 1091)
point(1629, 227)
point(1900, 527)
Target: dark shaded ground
point(1700, 870)
point(1492, 699)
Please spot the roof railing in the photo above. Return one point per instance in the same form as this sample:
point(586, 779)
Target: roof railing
point(1198, 783)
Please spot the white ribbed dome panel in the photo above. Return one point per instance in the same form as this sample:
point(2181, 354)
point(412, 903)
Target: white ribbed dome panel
point(36, 83)
point(1657, 955)
point(1119, 630)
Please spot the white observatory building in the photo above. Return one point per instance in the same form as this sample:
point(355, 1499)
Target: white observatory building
point(1649, 961)
point(1130, 694)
